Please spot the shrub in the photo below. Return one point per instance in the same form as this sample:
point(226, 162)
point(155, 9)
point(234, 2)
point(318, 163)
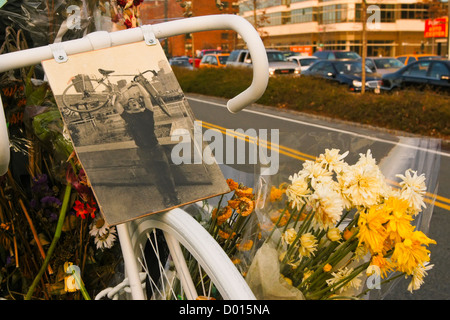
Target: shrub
point(419, 112)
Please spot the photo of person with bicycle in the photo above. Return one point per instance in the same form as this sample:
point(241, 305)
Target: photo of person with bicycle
point(135, 107)
point(121, 116)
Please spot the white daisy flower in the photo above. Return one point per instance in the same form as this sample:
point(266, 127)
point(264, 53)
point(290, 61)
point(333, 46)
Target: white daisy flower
point(298, 191)
point(328, 206)
point(413, 189)
point(418, 274)
point(332, 160)
point(104, 236)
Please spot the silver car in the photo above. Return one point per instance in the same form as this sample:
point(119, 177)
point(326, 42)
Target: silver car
point(278, 65)
point(303, 61)
point(383, 65)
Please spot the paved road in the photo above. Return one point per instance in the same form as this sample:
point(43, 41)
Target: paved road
point(304, 137)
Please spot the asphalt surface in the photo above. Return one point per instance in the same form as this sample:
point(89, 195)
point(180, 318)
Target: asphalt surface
point(304, 136)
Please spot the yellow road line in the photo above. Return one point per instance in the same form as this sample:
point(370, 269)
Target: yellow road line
point(439, 201)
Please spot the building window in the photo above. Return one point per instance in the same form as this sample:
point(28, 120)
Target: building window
point(285, 17)
point(302, 15)
point(334, 13)
point(414, 11)
point(387, 12)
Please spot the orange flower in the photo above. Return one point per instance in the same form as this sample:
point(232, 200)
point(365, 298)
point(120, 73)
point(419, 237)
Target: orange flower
point(382, 263)
point(244, 192)
point(225, 235)
point(276, 194)
point(348, 233)
point(327, 268)
point(221, 215)
point(275, 216)
point(205, 298)
point(245, 246)
point(232, 184)
point(234, 204)
point(244, 206)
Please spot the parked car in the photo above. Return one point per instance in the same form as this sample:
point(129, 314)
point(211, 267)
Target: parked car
point(344, 72)
point(410, 58)
point(288, 54)
point(217, 60)
point(180, 62)
point(336, 55)
point(434, 74)
point(196, 60)
point(303, 61)
point(383, 65)
point(278, 65)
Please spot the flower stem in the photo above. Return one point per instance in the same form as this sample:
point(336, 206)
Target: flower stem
point(58, 230)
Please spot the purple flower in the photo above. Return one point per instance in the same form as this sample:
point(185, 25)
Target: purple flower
point(40, 185)
point(51, 201)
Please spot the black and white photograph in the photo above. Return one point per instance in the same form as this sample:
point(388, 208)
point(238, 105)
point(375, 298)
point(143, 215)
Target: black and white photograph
point(123, 109)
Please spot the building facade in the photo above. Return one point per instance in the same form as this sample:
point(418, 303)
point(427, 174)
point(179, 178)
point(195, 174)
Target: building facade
point(153, 11)
point(393, 27)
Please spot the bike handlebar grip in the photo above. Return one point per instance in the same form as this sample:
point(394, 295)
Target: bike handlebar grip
point(102, 39)
point(4, 142)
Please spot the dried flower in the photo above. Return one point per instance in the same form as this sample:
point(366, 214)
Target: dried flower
point(289, 235)
point(334, 234)
point(245, 246)
point(232, 184)
point(341, 274)
point(308, 244)
point(222, 214)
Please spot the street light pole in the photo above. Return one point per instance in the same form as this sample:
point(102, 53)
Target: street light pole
point(364, 46)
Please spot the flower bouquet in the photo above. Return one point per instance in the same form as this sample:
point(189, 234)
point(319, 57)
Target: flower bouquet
point(335, 227)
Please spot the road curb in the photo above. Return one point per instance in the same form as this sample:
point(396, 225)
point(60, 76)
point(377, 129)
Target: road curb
point(445, 143)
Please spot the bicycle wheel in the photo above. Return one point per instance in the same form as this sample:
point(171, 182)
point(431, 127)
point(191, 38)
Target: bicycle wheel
point(86, 95)
point(182, 261)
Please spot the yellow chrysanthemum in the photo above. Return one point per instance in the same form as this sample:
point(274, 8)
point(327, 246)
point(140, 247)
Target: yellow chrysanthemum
point(383, 264)
point(412, 253)
point(399, 221)
point(372, 233)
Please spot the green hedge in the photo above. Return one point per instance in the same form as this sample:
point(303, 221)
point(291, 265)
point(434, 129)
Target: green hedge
point(418, 112)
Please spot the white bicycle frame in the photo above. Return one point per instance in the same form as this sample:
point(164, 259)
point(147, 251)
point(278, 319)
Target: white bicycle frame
point(102, 39)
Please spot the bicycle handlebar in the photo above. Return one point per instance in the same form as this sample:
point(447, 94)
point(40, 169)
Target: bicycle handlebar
point(104, 39)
